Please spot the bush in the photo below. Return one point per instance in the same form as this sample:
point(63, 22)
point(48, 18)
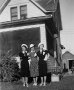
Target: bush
point(9, 69)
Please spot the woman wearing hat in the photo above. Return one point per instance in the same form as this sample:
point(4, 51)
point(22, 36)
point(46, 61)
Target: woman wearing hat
point(24, 64)
point(42, 63)
point(33, 64)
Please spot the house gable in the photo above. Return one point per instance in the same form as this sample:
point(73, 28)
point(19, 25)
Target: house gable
point(46, 5)
point(50, 6)
point(67, 56)
point(32, 10)
point(35, 8)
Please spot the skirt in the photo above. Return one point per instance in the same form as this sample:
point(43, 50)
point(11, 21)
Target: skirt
point(42, 68)
point(34, 72)
point(25, 72)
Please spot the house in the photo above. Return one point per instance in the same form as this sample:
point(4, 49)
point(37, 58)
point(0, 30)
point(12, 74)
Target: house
point(68, 60)
point(30, 21)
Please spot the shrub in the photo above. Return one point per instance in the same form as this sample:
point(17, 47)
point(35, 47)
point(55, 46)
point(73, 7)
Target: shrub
point(9, 70)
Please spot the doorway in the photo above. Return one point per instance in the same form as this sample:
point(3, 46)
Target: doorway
point(71, 64)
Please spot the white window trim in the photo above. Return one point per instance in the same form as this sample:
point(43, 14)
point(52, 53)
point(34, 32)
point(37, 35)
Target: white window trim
point(18, 9)
point(10, 13)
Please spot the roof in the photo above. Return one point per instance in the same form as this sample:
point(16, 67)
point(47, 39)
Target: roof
point(68, 56)
point(50, 6)
point(3, 4)
point(46, 5)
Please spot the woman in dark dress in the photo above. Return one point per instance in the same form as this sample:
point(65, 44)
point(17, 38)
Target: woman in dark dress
point(42, 64)
point(24, 64)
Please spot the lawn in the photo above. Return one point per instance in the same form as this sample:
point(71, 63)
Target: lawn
point(67, 83)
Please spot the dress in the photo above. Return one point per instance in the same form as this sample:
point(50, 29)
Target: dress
point(33, 65)
point(42, 64)
point(24, 65)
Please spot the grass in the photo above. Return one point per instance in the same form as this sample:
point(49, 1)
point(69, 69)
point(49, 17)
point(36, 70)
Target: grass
point(67, 83)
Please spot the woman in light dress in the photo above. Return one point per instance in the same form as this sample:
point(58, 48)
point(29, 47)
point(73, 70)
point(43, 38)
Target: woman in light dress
point(33, 64)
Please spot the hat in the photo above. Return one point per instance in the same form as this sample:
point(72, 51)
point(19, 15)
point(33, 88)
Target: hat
point(24, 45)
point(40, 44)
point(32, 45)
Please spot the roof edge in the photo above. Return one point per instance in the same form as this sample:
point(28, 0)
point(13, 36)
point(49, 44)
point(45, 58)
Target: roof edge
point(4, 5)
point(41, 8)
point(28, 20)
point(35, 3)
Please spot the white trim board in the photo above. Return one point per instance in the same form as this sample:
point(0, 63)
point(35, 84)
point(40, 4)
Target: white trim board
point(42, 31)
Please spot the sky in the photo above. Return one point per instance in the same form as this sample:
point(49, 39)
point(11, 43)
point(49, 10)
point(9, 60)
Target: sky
point(67, 15)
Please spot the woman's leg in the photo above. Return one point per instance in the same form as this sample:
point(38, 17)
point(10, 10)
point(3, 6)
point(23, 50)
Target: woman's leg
point(23, 80)
point(44, 81)
point(35, 81)
point(26, 81)
point(41, 81)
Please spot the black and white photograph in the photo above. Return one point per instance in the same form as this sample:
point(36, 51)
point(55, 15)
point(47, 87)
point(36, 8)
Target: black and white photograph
point(36, 45)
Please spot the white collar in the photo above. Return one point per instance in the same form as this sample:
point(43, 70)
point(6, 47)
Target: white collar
point(33, 51)
point(24, 51)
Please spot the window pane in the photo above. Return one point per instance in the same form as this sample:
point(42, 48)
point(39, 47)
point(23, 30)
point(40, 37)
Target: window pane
point(24, 7)
point(23, 12)
point(23, 16)
point(14, 13)
point(14, 10)
point(14, 18)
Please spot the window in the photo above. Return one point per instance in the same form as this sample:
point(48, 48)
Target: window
point(23, 12)
point(14, 14)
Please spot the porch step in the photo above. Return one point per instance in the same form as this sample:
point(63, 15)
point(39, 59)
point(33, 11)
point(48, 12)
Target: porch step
point(50, 63)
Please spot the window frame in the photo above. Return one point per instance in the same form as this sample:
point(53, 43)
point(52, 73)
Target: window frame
point(25, 13)
point(14, 15)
